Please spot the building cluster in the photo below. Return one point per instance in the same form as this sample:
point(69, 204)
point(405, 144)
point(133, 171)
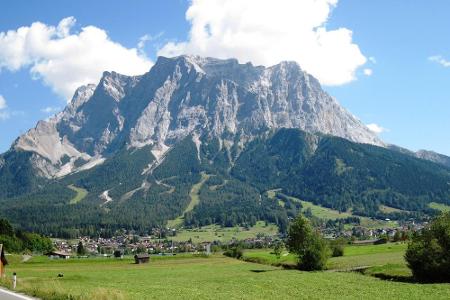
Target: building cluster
point(400, 232)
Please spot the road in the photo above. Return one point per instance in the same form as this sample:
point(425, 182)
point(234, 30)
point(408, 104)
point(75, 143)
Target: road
point(8, 295)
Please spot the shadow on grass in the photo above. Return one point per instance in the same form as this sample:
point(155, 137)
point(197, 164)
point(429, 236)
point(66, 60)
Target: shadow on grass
point(406, 279)
point(263, 270)
point(397, 278)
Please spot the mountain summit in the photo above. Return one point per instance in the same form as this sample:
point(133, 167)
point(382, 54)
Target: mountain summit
point(181, 96)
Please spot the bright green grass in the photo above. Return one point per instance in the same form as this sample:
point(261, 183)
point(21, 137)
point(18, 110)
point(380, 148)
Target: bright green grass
point(354, 256)
point(204, 278)
point(439, 206)
point(195, 200)
point(217, 233)
point(389, 209)
point(265, 256)
point(366, 260)
point(331, 214)
point(81, 194)
point(323, 212)
point(390, 270)
point(353, 250)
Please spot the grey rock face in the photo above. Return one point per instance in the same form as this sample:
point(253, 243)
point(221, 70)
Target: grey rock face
point(181, 96)
point(434, 157)
point(424, 154)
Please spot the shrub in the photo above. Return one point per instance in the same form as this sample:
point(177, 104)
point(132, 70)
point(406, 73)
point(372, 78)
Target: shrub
point(337, 247)
point(311, 249)
point(235, 252)
point(428, 253)
point(277, 249)
point(382, 240)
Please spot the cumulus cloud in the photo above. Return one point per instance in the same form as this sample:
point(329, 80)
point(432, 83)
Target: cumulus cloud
point(267, 32)
point(65, 60)
point(440, 60)
point(4, 114)
point(376, 128)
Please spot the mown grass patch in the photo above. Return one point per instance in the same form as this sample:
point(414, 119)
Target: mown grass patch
point(439, 206)
point(81, 194)
point(195, 200)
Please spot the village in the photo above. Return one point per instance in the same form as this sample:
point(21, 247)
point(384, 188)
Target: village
point(161, 242)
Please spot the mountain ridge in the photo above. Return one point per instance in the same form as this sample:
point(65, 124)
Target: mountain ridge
point(182, 95)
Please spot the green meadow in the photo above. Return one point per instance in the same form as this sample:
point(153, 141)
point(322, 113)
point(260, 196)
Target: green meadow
point(219, 277)
point(439, 206)
point(218, 233)
point(81, 194)
point(331, 214)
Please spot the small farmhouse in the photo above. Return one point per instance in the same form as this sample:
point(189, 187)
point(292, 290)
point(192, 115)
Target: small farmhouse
point(3, 261)
point(57, 254)
point(141, 258)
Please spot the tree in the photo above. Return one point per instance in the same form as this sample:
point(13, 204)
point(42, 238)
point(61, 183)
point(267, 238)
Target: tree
point(80, 249)
point(6, 228)
point(311, 250)
point(397, 236)
point(428, 253)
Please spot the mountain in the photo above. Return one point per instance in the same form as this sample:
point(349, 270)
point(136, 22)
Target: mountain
point(424, 154)
point(435, 157)
point(182, 96)
point(197, 141)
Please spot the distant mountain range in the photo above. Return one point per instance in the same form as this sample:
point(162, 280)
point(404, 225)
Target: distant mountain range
point(134, 147)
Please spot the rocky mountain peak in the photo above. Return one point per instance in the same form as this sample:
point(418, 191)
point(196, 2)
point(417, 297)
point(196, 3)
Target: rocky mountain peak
point(187, 95)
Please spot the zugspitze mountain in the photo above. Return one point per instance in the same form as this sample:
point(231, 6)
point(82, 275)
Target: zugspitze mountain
point(181, 96)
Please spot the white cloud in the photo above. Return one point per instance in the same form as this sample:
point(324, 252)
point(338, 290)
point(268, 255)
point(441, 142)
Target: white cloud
point(66, 60)
point(4, 115)
point(376, 128)
point(440, 60)
point(50, 109)
point(267, 32)
point(368, 72)
point(2, 102)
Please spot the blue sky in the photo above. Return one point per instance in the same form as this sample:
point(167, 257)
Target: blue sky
point(384, 73)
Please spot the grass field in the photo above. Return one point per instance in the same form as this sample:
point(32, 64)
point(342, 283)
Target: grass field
point(218, 233)
point(331, 214)
point(188, 277)
point(354, 256)
point(81, 194)
point(323, 212)
point(388, 209)
point(195, 199)
point(439, 206)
